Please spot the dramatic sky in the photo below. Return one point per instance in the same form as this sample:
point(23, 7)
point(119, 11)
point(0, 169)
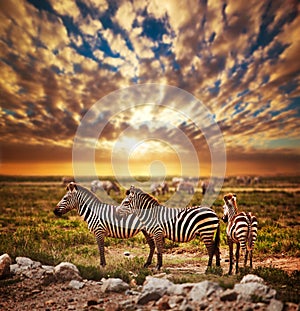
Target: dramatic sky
point(240, 59)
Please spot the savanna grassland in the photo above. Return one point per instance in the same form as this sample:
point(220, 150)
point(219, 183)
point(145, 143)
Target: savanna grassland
point(29, 228)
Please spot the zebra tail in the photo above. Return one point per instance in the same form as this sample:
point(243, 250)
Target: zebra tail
point(250, 239)
point(217, 238)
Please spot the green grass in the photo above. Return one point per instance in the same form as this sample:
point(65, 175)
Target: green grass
point(29, 228)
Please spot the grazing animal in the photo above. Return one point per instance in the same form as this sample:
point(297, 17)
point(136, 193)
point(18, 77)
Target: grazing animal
point(106, 185)
point(101, 218)
point(176, 224)
point(159, 188)
point(241, 229)
point(186, 186)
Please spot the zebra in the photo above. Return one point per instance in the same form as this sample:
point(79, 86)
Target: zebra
point(101, 218)
point(241, 229)
point(176, 224)
point(106, 185)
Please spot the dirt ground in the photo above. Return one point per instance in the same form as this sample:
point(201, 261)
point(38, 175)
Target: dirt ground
point(30, 294)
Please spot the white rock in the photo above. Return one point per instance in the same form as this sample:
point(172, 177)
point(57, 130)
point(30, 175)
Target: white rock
point(180, 289)
point(250, 278)
point(247, 291)
point(24, 262)
point(114, 285)
point(204, 289)
point(66, 271)
point(75, 284)
point(157, 285)
point(275, 305)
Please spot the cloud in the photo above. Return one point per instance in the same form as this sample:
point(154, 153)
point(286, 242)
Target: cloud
point(240, 59)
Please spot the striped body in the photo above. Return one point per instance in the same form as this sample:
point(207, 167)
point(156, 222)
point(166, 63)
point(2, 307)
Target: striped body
point(101, 218)
point(241, 230)
point(178, 225)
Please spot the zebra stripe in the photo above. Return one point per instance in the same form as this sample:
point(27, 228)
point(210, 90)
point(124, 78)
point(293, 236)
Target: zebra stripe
point(241, 230)
point(101, 218)
point(178, 225)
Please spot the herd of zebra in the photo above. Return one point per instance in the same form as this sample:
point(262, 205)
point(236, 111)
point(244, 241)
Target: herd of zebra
point(141, 212)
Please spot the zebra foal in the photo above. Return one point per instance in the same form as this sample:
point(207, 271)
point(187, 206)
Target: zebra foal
point(176, 224)
point(101, 218)
point(241, 230)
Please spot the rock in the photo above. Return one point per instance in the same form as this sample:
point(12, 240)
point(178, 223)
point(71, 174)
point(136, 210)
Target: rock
point(254, 291)
point(146, 297)
point(24, 262)
point(48, 277)
point(114, 285)
point(74, 284)
point(203, 289)
point(229, 295)
point(66, 271)
point(160, 286)
point(250, 278)
point(112, 306)
point(153, 289)
point(180, 289)
point(275, 305)
point(163, 303)
point(5, 262)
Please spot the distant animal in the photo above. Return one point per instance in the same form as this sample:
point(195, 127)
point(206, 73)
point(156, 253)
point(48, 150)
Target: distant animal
point(67, 180)
point(159, 188)
point(241, 230)
point(105, 185)
point(186, 186)
point(176, 224)
point(101, 218)
point(176, 181)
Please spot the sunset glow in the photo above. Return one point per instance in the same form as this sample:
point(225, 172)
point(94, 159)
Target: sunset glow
point(237, 59)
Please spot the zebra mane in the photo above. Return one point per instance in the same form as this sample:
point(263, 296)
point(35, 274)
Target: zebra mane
point(90, 193)
point(151, 199)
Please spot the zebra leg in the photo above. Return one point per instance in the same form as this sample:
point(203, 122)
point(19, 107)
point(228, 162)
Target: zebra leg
point(217, 247)
point(151, 244)
point(250, 257)
point(159, 241)
point(237, 256)
point(100, 242)
point(246, 258)
point(230, 244)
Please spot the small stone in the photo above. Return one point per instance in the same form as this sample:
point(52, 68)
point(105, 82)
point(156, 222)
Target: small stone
point(126, 254)
point(114, 285)
point(163, 303)
point(74, 284)
point(5, 262)
point(92, 302)
point(49, 302)
point(275, 305)
point(147, 297)
point(66, 271)
point(229, 295)
point(112, 306)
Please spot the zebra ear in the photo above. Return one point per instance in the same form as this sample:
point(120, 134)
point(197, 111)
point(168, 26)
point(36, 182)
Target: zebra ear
point(71, 186)
point(132, 188)
point(127, 192)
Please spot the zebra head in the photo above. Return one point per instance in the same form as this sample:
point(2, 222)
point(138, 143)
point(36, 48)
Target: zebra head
point(68, 202)
point(127, 205)
point(230, 207)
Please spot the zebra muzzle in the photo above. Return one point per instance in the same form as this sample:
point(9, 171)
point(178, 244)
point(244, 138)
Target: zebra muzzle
point(57, 212)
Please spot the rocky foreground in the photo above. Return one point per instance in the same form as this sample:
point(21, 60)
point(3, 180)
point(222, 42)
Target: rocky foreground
point(29, 285)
